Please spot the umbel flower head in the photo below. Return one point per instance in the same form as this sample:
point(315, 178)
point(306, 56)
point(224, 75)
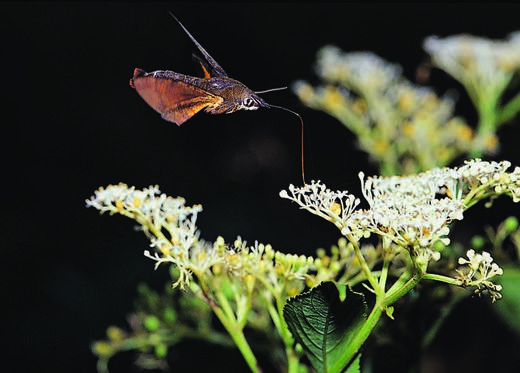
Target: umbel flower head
point(171, 227)
point(403, 127)
point(168, 222)
point(406, 210)
point(413, 212)
point(479, 269)
point(484, 66)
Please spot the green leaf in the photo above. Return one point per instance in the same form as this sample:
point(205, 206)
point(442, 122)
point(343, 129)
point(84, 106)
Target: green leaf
point(509, 306)
point(325, 326)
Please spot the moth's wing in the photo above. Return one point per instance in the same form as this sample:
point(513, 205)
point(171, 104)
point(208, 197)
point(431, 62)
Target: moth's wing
point(175, 96)
point(209, 65)
point(207, 69)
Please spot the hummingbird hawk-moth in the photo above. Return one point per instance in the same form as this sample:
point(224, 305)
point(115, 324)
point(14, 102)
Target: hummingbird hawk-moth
point(178, 97)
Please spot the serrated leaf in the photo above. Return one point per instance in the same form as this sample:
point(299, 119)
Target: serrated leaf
point(324, 325)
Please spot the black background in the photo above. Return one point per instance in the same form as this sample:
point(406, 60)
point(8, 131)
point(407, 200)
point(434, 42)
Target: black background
point(71, 123)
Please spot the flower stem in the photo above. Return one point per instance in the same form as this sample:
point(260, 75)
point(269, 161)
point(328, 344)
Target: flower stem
point(293, 361)
point(442, 278)
point(509, 110)
point(235, 330)
point(365, 331)
point(401, 287)
point(364, 266)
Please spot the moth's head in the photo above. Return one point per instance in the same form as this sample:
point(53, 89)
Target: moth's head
point(251, 101)
point(238, 97)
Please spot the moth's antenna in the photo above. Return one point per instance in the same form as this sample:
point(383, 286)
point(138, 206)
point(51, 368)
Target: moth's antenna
point(301, 121)
point(272, 89)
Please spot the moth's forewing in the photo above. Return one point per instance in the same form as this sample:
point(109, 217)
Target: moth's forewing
point(211, 67)
point(169, 94)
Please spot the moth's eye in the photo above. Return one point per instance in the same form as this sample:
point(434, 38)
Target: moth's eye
point(249, 102)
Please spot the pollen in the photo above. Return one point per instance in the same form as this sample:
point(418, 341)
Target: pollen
point(120, 205)
point(335, 208)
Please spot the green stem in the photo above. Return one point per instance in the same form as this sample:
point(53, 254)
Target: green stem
point(364, 266)
point(276, 313)
point(363, 334)
point(401, 287)
point(487, 111)
point(374, 316)
point(442, 278)
point(384, 273)
point(235, 330)
point(293, 361)
point(509, 110)
point(478, 194)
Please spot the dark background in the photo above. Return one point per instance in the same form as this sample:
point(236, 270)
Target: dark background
point(71, 123)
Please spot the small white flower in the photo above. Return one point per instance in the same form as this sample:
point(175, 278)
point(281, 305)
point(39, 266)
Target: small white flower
point(334, 206)
point(480, 267)
point(478, 270)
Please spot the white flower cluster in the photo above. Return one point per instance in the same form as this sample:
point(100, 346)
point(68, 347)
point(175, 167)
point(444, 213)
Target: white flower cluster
point(403, 126)
point(415, 209)
point(483, 65)
point(372, 77)
point(478, 271)
point(480, 266)
point(412, 211)
point(493, 175)
point(153, 210)
point(171, 227)
point(168, 222)
point(361, 71)
point(334, 206)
